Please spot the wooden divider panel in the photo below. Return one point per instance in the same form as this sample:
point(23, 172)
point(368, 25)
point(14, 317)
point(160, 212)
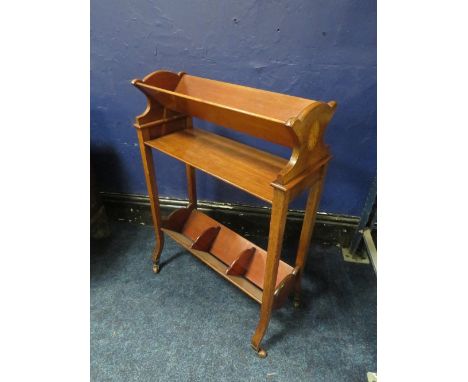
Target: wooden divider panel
point(242, 263)
point(228, 246)
point(205, 240)
point(176, 220)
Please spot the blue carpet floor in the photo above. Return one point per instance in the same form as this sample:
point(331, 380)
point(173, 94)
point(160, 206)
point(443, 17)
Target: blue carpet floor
point(189, 324)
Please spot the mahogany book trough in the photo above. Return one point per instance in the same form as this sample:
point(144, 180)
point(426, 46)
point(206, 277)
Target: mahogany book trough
point(173, 99)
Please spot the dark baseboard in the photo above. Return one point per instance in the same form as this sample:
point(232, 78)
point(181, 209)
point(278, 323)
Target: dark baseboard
point(249, 221)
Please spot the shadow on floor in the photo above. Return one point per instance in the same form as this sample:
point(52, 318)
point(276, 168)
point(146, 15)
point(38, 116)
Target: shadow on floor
point(188, 324)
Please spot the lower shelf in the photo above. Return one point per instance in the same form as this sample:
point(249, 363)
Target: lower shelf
point(218, 266)
point(235, 258)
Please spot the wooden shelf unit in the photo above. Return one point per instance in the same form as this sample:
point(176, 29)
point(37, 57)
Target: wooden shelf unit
point(298, 123)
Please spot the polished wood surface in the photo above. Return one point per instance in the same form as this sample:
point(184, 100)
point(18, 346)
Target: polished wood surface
point(298, 123)
point(283, 290)
point(150, 176)
point(249, 279)
point(208, 235)
point(240, 165)
point(279, 212)
point(255, 101)
point(259, 126)
point(214, 263)
point(252, 111)
point(204, 242)
point(240, 266)
point(306, 232)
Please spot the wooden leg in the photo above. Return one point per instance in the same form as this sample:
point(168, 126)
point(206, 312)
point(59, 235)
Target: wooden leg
point(277, 223)
point(191, 186)
point(306, 235)
point(150, 176)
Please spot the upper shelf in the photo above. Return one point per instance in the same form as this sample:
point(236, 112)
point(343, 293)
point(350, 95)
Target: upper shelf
point(264, 103)
point(298, 123)
point(260, 113)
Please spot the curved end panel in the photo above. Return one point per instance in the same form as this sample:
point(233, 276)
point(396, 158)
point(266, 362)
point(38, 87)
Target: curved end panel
point(155, 110)
point(309, 127)
point(312, 122)
point(284, 289)
point(163, 79)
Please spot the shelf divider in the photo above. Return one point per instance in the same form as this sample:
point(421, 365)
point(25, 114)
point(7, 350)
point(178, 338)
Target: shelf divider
point(242, 263)
point(206, 239)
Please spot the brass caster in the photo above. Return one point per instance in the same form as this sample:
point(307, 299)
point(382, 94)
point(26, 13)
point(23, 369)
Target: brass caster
point(262, 353)
point(156, 268)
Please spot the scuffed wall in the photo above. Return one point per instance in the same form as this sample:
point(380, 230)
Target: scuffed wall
point(315, 49)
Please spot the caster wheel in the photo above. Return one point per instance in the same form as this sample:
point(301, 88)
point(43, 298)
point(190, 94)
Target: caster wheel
point(156, 268)
point(262, 353)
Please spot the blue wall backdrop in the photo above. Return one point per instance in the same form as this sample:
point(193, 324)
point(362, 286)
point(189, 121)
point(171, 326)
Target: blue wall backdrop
point(310, 48)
